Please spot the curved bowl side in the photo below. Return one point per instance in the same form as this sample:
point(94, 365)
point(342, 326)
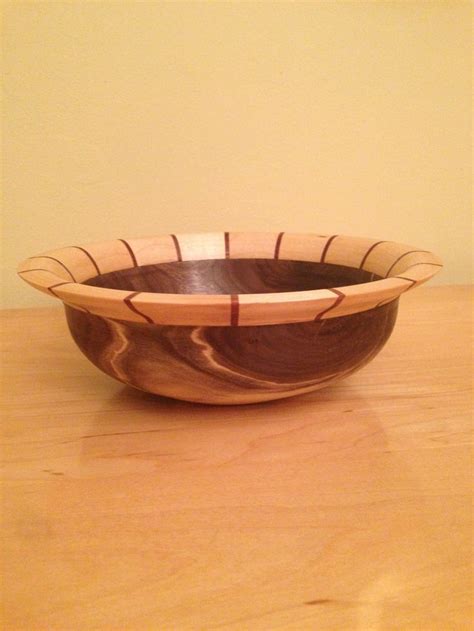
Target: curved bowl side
point(232, 365)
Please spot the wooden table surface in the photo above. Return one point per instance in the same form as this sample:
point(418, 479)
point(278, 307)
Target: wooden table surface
point(348, 508)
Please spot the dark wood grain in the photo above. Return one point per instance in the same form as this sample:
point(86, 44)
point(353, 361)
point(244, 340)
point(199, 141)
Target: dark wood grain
point(232, 364)
point(232, 276)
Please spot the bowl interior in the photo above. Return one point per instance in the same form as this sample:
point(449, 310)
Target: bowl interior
point(232, 276)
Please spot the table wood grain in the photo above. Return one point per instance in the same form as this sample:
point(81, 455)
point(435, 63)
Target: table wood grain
point(348, 508)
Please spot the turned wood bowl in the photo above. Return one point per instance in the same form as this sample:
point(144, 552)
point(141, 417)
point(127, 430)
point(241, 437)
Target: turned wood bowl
point(231, 318)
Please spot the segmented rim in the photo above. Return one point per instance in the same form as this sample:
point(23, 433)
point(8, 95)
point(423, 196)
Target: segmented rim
point(62, 273)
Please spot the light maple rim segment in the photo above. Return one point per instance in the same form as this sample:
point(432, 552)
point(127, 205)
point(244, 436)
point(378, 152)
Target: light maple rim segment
point(61, 273)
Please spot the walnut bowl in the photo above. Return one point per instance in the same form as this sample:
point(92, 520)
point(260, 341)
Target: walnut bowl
point(231, 318)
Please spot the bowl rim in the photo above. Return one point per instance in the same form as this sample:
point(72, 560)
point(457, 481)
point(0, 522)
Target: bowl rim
point(61, 273)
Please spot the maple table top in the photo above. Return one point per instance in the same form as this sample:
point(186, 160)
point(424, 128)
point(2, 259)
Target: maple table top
point(346, 508)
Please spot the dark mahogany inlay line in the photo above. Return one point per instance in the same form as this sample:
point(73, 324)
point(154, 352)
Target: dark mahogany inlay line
point(402, 256)
point(51, 258)
point(410, 280)
point(339, 299)
point(226, 245)
point(384, 302)
point(326, 247)
point(57, 285)
point(37, 269)
point(131, 252)
point(89, 256)
point(413, 282)
point(372, 247)
point(234, 310)
point(423, 263)
point(131, 306)
point(176, 245)
point(278, 245)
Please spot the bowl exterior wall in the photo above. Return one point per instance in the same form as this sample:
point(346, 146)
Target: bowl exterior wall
point(232, 364)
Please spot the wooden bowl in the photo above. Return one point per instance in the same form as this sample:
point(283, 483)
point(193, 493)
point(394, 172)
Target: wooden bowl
point(231, 317)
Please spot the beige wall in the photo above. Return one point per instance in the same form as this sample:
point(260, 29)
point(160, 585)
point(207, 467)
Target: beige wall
point(130, 118)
